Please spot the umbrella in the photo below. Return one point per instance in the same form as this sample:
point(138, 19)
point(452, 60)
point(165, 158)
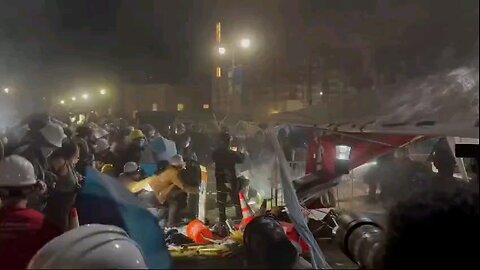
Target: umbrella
point(103, 200)
point(163, 148)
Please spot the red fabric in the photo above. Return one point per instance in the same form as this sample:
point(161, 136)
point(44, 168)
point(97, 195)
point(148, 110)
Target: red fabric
point(293, 235)
point(362, 150)
point(23, 232)
point(311, 161)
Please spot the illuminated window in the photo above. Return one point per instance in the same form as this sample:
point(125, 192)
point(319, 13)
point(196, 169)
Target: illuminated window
point(219, 72)
point(218, 32)
point(154, 107)
point(180, 107)
point(206, 106)
point(342, 152)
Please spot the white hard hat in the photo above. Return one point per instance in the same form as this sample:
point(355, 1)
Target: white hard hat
point(177, 161)
point(99, 133)
point(91, 246)
point(16, 171)
point(53, 133)
point(101, 145)
point(130, 167)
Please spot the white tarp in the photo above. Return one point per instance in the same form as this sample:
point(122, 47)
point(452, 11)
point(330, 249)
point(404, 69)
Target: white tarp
point(294, 209)
point(445, 103)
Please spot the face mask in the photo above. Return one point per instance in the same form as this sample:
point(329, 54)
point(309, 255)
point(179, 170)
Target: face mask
point(46, 151)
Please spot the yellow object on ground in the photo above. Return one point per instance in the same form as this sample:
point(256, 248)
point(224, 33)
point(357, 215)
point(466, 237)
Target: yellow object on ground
point(237, 236)
point(213, 250)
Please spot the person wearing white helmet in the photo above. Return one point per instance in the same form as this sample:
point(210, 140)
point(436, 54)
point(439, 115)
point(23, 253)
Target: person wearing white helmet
point(91, 246)
point(51, 137)
point(23, 230)
point(170, 189)
point(131, 173)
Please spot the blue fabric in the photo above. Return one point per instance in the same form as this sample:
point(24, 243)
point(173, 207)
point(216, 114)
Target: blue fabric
point(163, 148)
point(148, 168)
point(158, 145)
point(103, 200)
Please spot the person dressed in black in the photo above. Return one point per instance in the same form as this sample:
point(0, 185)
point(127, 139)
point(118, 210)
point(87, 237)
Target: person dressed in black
point(407, 176)
point(182, 138)
point(378, 176)
point(226, 176)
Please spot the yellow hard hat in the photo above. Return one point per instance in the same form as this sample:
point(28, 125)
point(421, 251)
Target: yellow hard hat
point(136, 134)
point(107, 168)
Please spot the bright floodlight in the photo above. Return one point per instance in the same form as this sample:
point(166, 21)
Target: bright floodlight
point(74, 98)
point(245, 43)
point(342, 152)
point(103, 92)
point(6, 90)
point(62, 101)
point(222, 50)
point(85, 96)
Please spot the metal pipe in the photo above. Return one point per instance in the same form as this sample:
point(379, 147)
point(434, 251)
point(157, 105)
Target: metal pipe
point(361, 239)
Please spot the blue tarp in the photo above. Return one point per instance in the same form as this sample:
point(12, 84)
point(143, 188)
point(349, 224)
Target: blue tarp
point(103, 200)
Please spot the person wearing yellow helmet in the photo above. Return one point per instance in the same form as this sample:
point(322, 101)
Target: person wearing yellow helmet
point(136, 146)
point(108, 169)
point(136, 135)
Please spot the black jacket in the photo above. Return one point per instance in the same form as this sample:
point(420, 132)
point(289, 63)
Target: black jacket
point(225, 160)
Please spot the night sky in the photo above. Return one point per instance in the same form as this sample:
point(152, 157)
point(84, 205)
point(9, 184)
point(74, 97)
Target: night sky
point(54, 44)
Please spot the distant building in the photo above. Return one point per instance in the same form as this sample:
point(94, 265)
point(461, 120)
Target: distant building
point(162, 97)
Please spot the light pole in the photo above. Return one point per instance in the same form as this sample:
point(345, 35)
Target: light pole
point(236, 99)
point(245, 44)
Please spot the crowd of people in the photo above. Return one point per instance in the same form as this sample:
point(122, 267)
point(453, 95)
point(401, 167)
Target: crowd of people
point(44, 164)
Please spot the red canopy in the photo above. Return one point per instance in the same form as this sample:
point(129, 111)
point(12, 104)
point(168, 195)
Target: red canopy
point(365, 147)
